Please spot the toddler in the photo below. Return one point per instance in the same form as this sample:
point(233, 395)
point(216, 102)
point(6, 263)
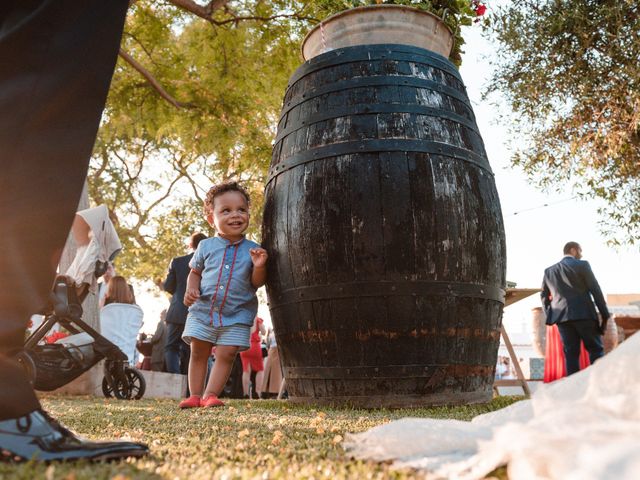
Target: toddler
point(226, 271)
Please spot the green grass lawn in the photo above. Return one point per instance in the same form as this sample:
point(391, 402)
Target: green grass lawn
point(259, 439)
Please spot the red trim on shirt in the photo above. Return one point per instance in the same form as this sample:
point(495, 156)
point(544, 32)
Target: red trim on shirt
point(226, 291)
point(215, 295)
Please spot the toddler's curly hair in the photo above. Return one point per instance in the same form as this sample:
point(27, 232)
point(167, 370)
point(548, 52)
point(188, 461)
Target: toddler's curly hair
point(221, 188)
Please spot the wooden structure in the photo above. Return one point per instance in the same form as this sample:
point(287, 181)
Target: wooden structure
point(383, 225)
point(514, 295)
point(629, 324)
point(519, 381)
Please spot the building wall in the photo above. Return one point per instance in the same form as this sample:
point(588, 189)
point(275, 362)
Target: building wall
point(615, 299)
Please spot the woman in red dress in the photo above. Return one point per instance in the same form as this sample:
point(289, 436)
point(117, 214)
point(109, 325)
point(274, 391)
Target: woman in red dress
point(252, 359)
point(554, 364)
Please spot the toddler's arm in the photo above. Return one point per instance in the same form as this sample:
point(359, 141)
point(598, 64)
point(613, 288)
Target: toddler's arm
point(259, 259)
point(193, 288)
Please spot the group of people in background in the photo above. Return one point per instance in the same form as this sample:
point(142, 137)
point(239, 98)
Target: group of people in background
point(261, 370)
point(504, 369)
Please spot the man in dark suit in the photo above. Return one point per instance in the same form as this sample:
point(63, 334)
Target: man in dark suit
point(56, 62)
point(176, 352)
point(569, 289)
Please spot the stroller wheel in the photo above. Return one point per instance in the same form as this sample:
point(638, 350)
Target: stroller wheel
point(137, 383)
point(131, 387)
point(106, 389)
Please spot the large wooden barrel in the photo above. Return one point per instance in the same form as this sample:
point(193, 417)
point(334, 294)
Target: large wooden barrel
point(385, 235)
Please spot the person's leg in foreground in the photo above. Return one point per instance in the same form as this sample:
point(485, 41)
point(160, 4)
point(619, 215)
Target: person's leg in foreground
point(57, 58)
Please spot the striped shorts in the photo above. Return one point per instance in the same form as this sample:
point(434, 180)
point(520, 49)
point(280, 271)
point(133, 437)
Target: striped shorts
point(236, 335)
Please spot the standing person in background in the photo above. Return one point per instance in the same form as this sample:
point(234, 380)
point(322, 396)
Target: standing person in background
point(157, 344)
point(176, 351)
point(252, 360)
point(501, 368)
point(57, 58)
point(567, 291)
point(272, 368)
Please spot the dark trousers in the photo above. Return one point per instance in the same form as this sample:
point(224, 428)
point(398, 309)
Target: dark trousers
point(572, 332)
point(176, 351)
point(56, 62)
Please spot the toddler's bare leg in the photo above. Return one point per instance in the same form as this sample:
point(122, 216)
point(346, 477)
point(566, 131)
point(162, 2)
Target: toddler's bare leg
point(200, 352)
point(225, 355)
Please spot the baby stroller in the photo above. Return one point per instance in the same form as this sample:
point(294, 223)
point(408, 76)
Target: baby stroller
point(50, 366)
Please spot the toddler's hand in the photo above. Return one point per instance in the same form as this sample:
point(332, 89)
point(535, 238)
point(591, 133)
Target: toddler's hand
point(258, 257)
point(190, 297)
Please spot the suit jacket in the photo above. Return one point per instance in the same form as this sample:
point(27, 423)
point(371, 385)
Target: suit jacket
point(176, 285)
point(567, 291)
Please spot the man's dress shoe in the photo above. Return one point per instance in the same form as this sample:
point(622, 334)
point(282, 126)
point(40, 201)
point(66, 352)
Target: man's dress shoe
point(37, 435)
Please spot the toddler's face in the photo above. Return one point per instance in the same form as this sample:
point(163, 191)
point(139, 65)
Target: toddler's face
point(230, 216)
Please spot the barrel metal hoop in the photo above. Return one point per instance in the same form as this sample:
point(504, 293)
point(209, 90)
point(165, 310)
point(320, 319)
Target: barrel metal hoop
point(372, 109)
point(376, 81)
point(436, 372)
point(378, 146)
point(323, 336)
point(361, 53)
point(386, 289)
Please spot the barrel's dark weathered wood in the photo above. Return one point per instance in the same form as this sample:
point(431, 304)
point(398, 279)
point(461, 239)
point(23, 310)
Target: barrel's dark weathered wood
point(383, 225)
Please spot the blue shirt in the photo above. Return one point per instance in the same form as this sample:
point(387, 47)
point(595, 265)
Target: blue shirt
point(226, 294)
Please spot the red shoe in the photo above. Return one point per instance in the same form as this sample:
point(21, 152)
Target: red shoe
point(211, 401)
point(192, 402)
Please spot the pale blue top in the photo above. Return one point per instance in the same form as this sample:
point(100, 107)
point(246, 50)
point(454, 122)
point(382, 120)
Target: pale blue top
point(226, 294)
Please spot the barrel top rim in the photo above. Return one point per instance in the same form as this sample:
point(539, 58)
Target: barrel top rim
point(351, 11)
point(309, 66)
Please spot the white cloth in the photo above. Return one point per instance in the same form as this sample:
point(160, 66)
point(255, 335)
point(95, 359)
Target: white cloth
point(120, 324)
point(583, 427)
point(96, 239)
point(78, 340)
point(83, 266)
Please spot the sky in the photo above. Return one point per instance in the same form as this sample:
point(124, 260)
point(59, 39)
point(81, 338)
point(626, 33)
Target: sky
point(536, 234)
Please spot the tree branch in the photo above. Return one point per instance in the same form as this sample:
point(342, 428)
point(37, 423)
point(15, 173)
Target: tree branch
point(178, 164)
point(235, 19)
point(199, 10)
point(152, 81)
point(208, 10)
